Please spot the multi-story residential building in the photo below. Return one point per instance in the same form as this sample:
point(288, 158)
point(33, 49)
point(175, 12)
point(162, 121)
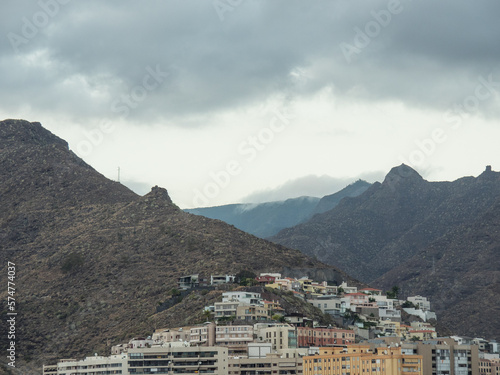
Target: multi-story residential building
point(273, 306)
point(286, 283)
point(298, 320)
point(391, 328)
point(203, 335)
point(347, 289)
point(306, 284)
point(49, 370)
point(383, 302)
point(251, 313)
point(323, 336)
point(359, 299)
point(192, 281)
point(389, 314)
point(361, 360)
point(225, 309)
point(176, 359)
point(96, 365)
point(197, 280)
point(371, 291)
point(265, 279)
point(328, 304)
point(445, 357)
point(424, 315)
point(462, 340)
point(422, 334)
point(271, 364)
point(234, 335)
point(140, 342)
point(281, 336)
point(257, 311)
point(489, 366)
point(249, 298)
point(165, 335)
point(221, 279)
point(422, 302)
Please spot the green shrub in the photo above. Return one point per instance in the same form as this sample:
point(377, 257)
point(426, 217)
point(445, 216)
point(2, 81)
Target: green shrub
point(72, 262)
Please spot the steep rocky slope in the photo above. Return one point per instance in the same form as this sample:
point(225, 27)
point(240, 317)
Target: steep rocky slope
point(438, 239)
point(93, 259)
point(389, 223)
point(460, 273)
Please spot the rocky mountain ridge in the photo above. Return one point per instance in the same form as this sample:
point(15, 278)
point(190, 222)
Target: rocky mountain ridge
point(93, 258)
point(417, 234)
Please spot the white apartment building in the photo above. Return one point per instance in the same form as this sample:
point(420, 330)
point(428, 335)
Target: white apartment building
point(245, 297)
point(422, 302)
point(96, 365)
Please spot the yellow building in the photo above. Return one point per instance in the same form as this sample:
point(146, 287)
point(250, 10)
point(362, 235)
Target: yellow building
point(360, 360)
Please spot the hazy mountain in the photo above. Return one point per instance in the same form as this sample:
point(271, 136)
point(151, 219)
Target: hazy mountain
point(93, 259)
point(263, 219)
point(330, 201)
point(267, 219)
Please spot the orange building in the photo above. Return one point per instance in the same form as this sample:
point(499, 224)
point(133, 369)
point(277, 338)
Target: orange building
point(360, 360)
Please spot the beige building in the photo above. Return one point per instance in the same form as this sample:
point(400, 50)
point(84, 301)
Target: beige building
point(281, 336)
point(253, 312)
point(180, 334)
point(234, 335)
point(361, 360)
point(445, 357)
point(269, 365)
point(203, 335)
point(95, 365)
point(489, 366)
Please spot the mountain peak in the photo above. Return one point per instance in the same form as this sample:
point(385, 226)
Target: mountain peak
point(402, 173)
point(13, 130)
point(488, 175)
point(159, 193)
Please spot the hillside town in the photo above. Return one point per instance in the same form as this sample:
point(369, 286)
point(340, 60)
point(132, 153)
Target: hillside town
point(245, 334)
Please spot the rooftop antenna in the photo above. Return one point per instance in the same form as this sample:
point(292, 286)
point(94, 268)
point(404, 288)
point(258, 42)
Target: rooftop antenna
point(118, 174)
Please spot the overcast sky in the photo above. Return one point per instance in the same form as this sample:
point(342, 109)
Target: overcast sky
point(231, 101)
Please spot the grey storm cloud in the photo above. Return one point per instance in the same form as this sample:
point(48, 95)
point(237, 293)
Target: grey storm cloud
point(93, 59)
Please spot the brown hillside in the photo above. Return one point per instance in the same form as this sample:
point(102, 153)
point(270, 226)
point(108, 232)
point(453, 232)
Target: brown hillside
point(93, 258)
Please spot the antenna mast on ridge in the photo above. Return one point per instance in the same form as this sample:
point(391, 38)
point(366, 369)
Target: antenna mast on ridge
point(118, 174)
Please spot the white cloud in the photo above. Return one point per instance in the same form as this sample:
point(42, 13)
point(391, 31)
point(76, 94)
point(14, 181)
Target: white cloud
point(223, 79)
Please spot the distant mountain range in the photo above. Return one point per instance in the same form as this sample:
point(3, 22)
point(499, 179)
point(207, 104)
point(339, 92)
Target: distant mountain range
point(94, 259)
point(267, 219)
point(438, 239)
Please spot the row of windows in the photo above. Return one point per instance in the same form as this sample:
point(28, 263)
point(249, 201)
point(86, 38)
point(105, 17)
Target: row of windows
point(318, 360)
point(174, 354)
